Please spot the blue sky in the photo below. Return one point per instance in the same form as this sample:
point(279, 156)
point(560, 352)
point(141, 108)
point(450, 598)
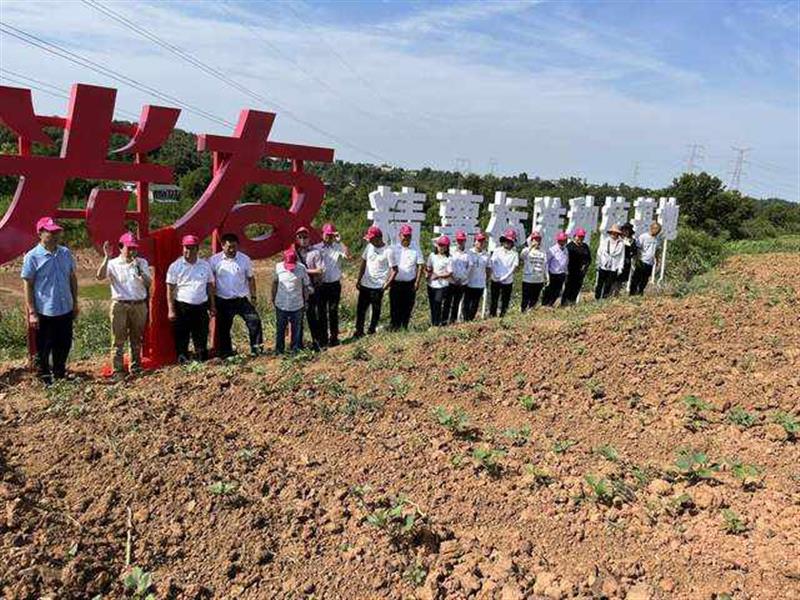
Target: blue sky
point(551, 88)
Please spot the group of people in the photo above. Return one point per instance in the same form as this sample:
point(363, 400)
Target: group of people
point(306, 286)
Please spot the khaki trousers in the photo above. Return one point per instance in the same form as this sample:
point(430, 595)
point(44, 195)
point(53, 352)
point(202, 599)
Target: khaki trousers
point(128, 320)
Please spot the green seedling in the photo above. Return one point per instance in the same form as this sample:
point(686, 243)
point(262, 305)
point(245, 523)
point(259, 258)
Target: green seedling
point(750, 475)
point(539, 475)
point(608, 452)
point(519, 380)
point(194, 367)
point(355, 404)
point(399, 386)
point(694, 466)
point(397, 516)
point(138, 583)
point(561, 446)
point(695, 419)
point(456, 422)
point(416, 574)
point(741, 418)
point(518, 437)
point(487, 458)
point(459, 371)
point(596, 389)
point(528, 402)
point(733, 522)
point(359, 352)
point(601, 489)
point(789, 423)
point(223, 488)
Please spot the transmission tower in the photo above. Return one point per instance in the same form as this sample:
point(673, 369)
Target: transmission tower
point(738, 165)
point(492, 165)
point(696, 155)
point(635, 176)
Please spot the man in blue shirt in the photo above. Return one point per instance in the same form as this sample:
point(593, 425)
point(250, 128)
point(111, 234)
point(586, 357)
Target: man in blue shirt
point(51, 294)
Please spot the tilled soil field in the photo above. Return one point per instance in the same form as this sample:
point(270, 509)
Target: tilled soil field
point(643, 450)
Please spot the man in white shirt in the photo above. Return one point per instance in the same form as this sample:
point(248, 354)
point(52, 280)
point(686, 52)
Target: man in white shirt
point(460, 263)
point(129, 276)
point(374, 276)
point(235, 287)
point(557, 266)
point(610, 260)
point(646, 261)
point(190, 300)
point(291, 286)
point(406, 262)
point(332, 252)
point(479, 272)
point(311, 259)
point(504, 262)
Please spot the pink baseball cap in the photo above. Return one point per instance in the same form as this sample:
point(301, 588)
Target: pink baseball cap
point(128, 240)
point(443, 241)
point(461, 235)
point(580, 232)
point(190, 240)
point(561, 236)
point(328, 229)
point(480, 237)
point(373, 232)
point(47, 224)
point(406, 229)
point(510, 234)
point(290, 259)
point(536, 235)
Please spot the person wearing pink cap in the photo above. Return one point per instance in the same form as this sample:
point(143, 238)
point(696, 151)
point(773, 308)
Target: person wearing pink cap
point(580, 257)
point(332, 253)
point(312, 260)
point(534, 271)
point(407, 264)
point(557, 265)
point(503, 264)
point(190, 300)
point(291, 287)
point(460, 263)
point(374, 277)
point(129, 277)
point(610, 262)
point(236, 295)
point(479, 273)
point(440, 270)
point(51, 299)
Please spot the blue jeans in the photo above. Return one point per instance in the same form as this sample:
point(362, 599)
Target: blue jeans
point(284, 318)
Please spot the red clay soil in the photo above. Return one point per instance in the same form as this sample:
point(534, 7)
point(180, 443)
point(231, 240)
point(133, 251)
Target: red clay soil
point(334, 478)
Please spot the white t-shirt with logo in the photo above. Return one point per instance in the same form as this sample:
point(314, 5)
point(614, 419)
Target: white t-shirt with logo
point(534, 265)
point(460, 260)
point(125, 284)
point(331, 256)
point(406, 260)
point(648, 245)
point(377, 270)
point(503, 262)
point(289, 295)
point(477, 271)
point(232, 275)
point(190, 280)
point(440, 265)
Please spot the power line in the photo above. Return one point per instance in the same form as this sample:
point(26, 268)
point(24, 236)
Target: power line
point(219, 75)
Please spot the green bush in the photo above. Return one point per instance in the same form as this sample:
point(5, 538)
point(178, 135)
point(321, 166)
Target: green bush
point(693, 253)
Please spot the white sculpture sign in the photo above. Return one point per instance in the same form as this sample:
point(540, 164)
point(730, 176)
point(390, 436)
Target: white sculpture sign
point(391, 209)
point(614, 212)
point(668, 210)
point(643, 214)
point(548, 218)
point(458, 209)
point(583, 214)
point(504, 215)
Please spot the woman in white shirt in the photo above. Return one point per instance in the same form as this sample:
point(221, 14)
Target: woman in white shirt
point(503, 263)
point(534, 271)
point(460, 262)
point(406, 262)
point(439, 272)
point(290, 289)
point(478, 274)
point(610, 261)
point(374, 276)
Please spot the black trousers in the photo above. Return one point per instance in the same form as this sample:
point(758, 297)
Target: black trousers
point(472, 300)
point(439, 301)
point(530, 294)
point(191, 322)
point(229, 308)
point(328, 312)
point(499, 293)
point(312, 314)
point(368, 298)
point(456, 296)
point(572, 287)
point(641, 275)
point(606, 283)
point(553, 289)
point(53, 343)
point(402, 297)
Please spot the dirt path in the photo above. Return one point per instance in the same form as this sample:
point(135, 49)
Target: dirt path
point(281, 479)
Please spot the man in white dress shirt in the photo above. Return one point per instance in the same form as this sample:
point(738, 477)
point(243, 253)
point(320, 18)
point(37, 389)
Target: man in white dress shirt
point(332, 253)
point(235, 295)
point(190, 299)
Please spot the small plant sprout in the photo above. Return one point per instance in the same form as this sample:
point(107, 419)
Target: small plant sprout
point(695, 419)
point(456, 422)
point(359, 352)
point(539, 476)
point(487, 458)
point(518, 437)
point(750, 476)
point(138, 583)
point(789, 423)
point(741, 418)
point(458, 371)
point(596, 389)
point(399, 386)
point(733, 523)
point(601, 489)
point(397, 516)
point(528, 402)
point(561, 446)
point(194, 367)
point(608, 452)
point(222, 488)
point(415, 574)
point(694, 466)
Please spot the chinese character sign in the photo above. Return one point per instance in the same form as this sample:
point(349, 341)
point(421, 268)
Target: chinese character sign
point(582, 215)
point(548, 218)
point(613, 212)
point(668, 211)
point(391, 209)
point(643, 214)
point(504, 214)
point(85, 147)
point(458, 210)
